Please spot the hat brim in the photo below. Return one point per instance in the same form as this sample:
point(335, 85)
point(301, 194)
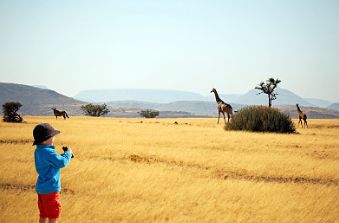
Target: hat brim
point(53, 133)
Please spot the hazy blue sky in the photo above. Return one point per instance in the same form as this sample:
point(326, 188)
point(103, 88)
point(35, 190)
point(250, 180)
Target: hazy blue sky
point(175, 44)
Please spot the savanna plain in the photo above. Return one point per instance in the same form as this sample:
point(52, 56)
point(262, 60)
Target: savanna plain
point(176, 170)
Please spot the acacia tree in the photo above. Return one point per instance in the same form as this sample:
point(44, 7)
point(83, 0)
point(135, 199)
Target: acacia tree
point(268, 88)
point(148, 113)
point(95, 110)
point(10, 110)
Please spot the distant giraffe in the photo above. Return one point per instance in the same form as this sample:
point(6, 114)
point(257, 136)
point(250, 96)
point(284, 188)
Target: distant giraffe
point(302, 116)
point(222, 107)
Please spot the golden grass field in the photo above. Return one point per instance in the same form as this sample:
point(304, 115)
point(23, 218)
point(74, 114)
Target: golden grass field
point(152, 170)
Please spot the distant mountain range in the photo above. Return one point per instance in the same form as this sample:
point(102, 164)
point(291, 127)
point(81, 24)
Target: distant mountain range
point(40, 100)
point(334, 106)
point(285, 97)
point(319, 102)
point(146, 95)
point(159, 96)
point(205, 108)
point(127, 102)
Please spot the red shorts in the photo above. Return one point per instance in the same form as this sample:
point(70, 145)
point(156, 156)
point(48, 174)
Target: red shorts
point(49, 205)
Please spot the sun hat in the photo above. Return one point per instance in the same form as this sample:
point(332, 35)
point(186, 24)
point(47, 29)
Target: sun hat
point(43, 132)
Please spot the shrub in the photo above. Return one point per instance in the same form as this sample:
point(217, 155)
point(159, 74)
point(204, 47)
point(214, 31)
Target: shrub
point(10, 110)
point(94, 110)
point(149, 113)
point(261, 119)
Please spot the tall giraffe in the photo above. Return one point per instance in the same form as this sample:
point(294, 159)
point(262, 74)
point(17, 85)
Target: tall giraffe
point(302, 116)
point(222, 107)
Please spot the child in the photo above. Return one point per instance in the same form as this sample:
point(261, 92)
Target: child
point(48, 163)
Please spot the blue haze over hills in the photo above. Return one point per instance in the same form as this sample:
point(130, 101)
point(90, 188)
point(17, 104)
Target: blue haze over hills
point(285, 97)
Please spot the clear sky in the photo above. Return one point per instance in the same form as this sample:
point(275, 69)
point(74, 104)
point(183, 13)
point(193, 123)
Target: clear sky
point(191, 45)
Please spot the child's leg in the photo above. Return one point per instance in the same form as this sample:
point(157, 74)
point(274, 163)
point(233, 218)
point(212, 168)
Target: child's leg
point(43, 220)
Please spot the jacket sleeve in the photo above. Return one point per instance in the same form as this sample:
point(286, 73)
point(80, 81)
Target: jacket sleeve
point(57, 160)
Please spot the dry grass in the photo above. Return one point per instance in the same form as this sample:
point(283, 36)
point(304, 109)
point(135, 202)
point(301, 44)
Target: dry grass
point(137, 170)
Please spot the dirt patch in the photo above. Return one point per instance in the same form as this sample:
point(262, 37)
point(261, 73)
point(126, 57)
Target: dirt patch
point(15, 141)
point(239, 175)
point(221, 173)
point(154, 159)
point(300, 180)
point(319, 154)
point(29, 188)
point(330, 126)
point(109, 158)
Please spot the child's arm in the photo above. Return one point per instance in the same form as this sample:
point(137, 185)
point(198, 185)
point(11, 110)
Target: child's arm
point(57, 160)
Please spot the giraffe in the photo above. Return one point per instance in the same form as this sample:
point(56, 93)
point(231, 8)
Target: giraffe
point(222, 107)
point(302, 116)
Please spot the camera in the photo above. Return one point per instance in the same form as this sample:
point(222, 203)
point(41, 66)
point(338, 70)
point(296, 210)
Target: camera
point(65, 148)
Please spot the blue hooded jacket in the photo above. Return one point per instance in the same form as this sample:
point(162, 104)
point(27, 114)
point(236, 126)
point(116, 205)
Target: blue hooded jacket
point(48, 163)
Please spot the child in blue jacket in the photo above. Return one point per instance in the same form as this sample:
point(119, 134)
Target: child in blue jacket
point(48, 163)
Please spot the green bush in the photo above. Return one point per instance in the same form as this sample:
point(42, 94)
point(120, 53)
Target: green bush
point(261, 119)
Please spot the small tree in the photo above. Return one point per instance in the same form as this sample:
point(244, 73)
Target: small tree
point(149, 113)
point(268, 88)
point(10, 110)
point(95, 110)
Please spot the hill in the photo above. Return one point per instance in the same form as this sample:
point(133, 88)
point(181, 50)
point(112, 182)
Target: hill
point(159, 96)
point(37, 101)
point(318, 102)
point(334, 106)
point(148, 95)
point(284, 97)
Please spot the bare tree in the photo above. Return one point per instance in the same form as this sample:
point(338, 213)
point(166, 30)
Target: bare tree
point(268, 88)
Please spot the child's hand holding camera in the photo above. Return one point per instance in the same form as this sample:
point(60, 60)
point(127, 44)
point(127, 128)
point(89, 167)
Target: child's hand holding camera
point(65, 148)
